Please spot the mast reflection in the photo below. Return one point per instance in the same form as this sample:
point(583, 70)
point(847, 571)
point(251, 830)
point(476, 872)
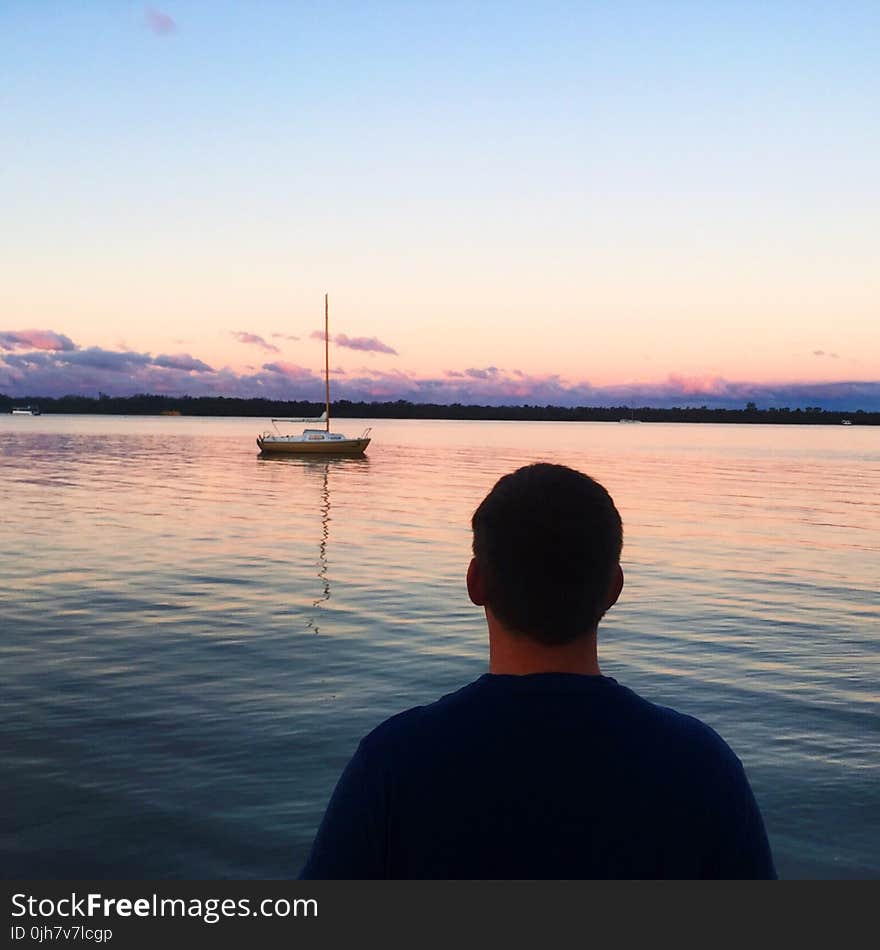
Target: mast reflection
point(322, 467)
point(322, 549)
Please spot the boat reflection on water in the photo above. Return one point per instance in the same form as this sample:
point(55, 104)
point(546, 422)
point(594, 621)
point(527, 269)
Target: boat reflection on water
point(322, 549)
point(322, 467)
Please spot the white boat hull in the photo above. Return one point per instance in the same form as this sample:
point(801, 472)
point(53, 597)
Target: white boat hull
point(296, 445)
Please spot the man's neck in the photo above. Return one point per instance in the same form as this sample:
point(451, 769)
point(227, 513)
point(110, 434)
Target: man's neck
point(519, 655)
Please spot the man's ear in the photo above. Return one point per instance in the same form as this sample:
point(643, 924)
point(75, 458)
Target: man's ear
point(615, 588)
point(475, 586)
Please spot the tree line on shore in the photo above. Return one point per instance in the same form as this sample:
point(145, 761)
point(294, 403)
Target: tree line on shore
point(145, 404)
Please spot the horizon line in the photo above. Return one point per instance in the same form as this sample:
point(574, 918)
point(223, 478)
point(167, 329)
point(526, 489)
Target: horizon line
point(749, 407)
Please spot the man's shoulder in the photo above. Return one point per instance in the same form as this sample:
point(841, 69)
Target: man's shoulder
point(677, 730)
point(402, 727)
point(674, 720)
point(607, 705)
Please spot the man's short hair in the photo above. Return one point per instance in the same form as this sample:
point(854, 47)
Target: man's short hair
point(547, 540)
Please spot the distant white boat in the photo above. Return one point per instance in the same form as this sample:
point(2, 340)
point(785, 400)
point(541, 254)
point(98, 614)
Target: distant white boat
point(845, 422)
point(632, 417)
point(25, 410)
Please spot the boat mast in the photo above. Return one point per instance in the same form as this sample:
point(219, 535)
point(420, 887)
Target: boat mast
point(327, 360)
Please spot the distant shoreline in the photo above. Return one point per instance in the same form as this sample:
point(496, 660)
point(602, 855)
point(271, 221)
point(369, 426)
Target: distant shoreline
point(148, 405)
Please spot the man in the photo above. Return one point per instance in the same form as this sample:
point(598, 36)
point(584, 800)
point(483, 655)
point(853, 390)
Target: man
point(543, 767)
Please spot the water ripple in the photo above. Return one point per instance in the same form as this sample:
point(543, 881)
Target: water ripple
point(200, 636)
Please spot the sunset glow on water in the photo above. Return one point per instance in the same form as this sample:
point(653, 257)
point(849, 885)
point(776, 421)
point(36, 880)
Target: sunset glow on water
point(198, 637)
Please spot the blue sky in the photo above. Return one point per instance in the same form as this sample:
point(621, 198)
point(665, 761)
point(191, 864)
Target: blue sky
point(674, 198)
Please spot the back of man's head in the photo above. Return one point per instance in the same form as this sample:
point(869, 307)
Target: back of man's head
point(547, 541)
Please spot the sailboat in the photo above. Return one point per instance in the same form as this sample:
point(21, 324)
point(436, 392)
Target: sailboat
point(314, 441)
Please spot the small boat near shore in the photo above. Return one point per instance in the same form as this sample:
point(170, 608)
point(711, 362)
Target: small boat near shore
point(314, 441)
point(26, 411)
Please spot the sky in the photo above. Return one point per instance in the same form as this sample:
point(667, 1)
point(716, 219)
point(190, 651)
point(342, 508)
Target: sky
point(587, 203)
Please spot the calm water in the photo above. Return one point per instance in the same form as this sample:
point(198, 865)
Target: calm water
point(193, 639)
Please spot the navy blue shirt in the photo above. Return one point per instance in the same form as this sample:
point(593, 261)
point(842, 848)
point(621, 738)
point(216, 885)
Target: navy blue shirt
point(550, 775)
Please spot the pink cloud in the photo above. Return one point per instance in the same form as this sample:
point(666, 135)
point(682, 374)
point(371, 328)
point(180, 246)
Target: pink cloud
point(368, 344)
point(252, 338)
point(690, 385)
point(45, 372)
point(182, 361)
point(290, 370)
point(158, 22)
point(364, 343)
point(35, 340)
point(287, 336)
